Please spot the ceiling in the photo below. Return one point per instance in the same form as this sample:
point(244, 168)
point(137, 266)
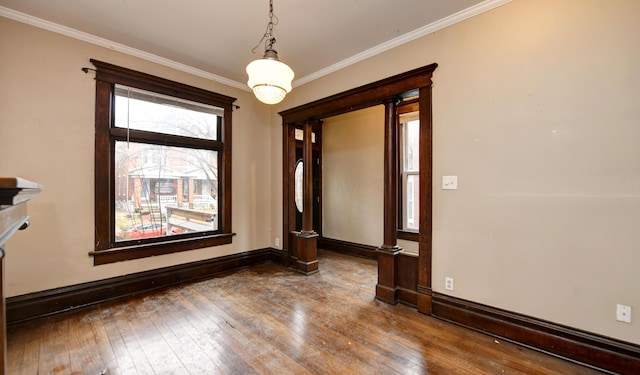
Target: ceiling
point(215, 38)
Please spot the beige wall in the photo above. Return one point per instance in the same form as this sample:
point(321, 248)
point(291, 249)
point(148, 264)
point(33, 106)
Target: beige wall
point(47, 135)
point(352, 180)
point(535, 108)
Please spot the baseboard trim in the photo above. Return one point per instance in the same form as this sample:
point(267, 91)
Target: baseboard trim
point(589, 349)
point(351, 248)
point(40, 304)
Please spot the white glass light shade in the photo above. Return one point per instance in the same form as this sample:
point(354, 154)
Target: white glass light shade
point(269, 79)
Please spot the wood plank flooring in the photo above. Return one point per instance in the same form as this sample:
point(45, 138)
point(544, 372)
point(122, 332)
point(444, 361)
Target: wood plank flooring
point(266, 320)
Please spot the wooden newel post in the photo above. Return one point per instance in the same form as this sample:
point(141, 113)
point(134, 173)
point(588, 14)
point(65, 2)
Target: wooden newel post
point(386, 289)
point(307, 239)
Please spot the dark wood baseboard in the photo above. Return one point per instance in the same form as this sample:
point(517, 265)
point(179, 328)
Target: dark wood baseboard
point(589, 349)
point(345, 247)
point(592, 350)
point(53, 301)
point(599, 352)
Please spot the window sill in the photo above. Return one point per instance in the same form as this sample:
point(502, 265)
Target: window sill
point(408, 236)
point(119, 254)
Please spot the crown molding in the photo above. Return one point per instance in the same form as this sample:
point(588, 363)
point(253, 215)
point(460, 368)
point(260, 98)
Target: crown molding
point(408, 37)
point(418, 33)
point(89, 38)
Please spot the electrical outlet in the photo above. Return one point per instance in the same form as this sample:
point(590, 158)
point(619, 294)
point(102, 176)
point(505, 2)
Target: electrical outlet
point(277, 241)
point(623, 313)
point(448, 283)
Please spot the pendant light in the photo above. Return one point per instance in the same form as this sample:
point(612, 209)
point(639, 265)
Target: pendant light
point(269, 78)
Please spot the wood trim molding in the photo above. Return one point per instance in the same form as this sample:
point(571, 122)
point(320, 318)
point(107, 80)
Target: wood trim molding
point(592, 350)
point(362, 97)
point(106, 247)
point(388, 91)
point(425, 224)
point(53, 301)
point(119, 254)
point(111, 73)
point(351, 248)
point(407, 236)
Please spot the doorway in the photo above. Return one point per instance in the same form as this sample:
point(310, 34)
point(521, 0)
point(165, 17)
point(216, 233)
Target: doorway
point(389, 91)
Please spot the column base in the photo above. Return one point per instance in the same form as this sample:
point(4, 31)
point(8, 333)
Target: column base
point(387, 294)
point(306, 261)
point(424, 300)
point(387, 287)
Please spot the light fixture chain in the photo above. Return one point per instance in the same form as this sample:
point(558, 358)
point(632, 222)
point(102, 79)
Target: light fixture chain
point(271, 11)
point(268, 38)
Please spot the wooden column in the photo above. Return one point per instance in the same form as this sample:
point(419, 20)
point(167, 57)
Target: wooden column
point(426, 186)
point(386, 289)
point(307, 239)
point(289, 238)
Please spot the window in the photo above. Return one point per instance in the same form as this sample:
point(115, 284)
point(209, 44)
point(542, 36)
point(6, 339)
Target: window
point(409, 169)
point(162, 164)
point(298, 185)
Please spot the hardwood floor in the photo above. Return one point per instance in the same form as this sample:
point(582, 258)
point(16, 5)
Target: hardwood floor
point(266, 320)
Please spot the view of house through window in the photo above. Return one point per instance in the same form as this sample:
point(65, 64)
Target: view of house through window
point(164, 190)
point(410, 171)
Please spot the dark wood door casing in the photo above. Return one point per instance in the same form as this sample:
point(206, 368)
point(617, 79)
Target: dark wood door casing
point(413, 83)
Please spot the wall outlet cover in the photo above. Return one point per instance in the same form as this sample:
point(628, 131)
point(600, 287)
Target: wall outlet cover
point(623, 313)
point(448, 283)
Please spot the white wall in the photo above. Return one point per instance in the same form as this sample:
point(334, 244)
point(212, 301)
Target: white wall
point(535, 108)
point(47, 136)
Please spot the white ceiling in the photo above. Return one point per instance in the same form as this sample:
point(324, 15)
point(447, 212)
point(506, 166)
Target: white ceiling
point(215, 38)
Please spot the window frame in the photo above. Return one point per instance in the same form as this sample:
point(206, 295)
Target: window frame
point(107, 250)
point(408, 106)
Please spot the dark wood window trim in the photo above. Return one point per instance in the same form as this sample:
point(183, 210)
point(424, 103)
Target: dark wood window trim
point(106, 248)
point(408, 236)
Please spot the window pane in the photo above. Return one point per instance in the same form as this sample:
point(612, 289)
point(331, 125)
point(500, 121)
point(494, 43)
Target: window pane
point(412, 209)
point(163, 190)
point(143, 110)
point(411, 145)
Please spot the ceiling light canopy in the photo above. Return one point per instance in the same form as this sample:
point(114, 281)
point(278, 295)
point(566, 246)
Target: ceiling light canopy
point(269, 78)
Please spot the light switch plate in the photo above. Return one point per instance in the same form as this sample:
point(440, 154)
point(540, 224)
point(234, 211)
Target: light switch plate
point(449, 182)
